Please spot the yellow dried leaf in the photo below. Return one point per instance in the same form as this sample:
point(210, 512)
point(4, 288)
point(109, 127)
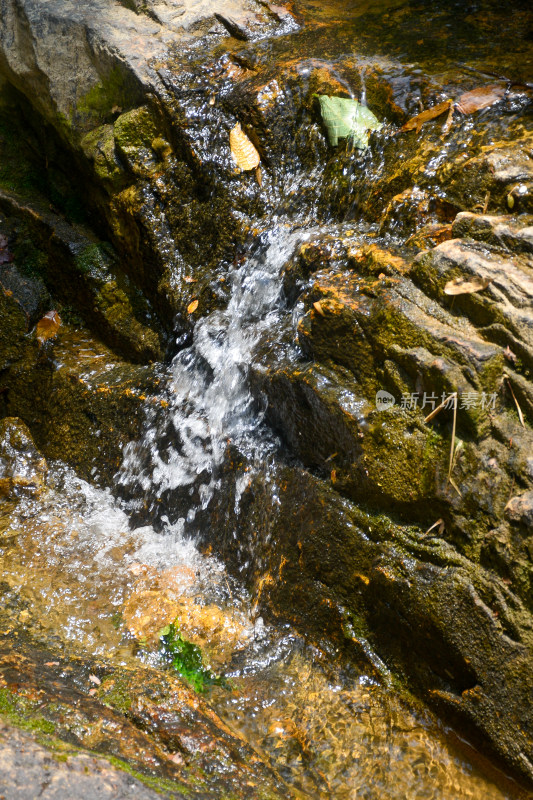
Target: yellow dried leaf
point(47, 327)
point(242, 149)
point(191, 308)
point(461, 286)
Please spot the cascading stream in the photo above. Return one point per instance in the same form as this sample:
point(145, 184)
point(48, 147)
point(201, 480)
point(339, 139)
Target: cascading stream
point(209, 399)
point(101, 584)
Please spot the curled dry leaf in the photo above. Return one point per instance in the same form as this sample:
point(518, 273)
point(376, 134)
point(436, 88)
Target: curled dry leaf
point(242, 149)
point(47, 327)
point(482, 97)
point(415, 123)
point(461, 286)
point(318, 308)
point(191, 308)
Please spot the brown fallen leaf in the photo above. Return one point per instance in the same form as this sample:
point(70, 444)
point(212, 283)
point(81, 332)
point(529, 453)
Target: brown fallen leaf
point(242, 149)
point(462, 286)
point(415, 123)
point(47, 327)
point(482, 97)
point(191, 308)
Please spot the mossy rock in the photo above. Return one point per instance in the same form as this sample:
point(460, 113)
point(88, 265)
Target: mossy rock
point(133, 134)
point(80, 403)
point(117, 88)
point(12, 331)
point(84, 275)
point(99, 148)
point(164, 734)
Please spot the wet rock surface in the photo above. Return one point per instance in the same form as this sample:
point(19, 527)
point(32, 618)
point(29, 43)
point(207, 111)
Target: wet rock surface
point(402, 526)
point(366, 334)
point(144, 722)
point(30, 770)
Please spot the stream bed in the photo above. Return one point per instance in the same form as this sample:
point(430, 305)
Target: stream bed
point(199, 441)
point(78, 574)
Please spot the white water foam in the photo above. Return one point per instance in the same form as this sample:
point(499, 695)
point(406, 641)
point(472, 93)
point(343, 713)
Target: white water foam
point(210, 403)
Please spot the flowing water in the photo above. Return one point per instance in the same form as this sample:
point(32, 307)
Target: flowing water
point(79, 570)
point(102, 584)
point(209, 401)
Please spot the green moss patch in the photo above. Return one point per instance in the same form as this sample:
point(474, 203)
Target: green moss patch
point(187, 659)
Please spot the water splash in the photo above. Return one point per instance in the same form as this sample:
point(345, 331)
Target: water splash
point(210, 403)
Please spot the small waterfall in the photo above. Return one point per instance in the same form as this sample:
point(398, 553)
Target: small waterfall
point(209, 401)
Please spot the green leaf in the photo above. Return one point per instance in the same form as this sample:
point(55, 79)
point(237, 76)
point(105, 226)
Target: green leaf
point(344, 117)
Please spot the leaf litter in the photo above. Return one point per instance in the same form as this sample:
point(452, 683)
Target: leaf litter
point(468, 103)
